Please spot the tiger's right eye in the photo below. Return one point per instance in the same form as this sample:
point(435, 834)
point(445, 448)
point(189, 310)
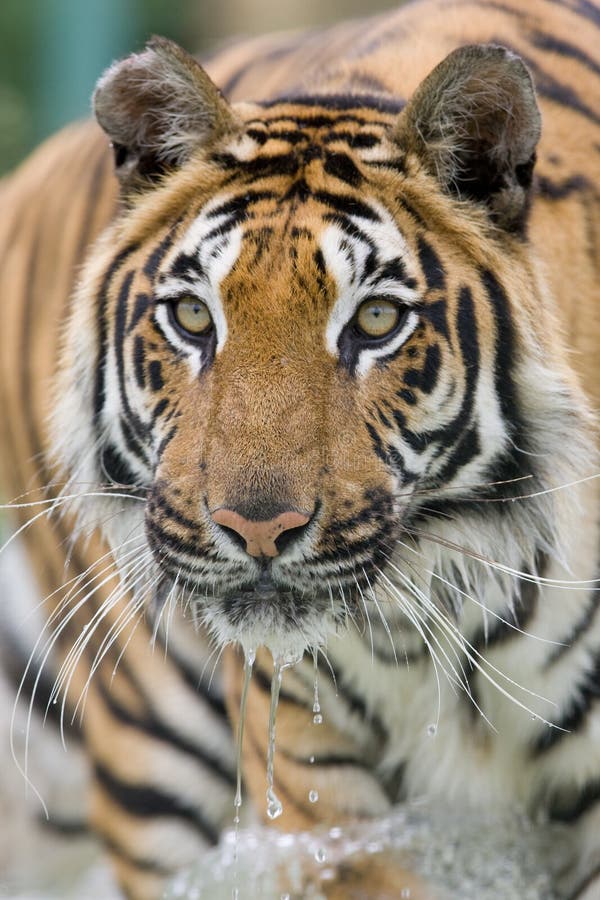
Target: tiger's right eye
point(192, 316)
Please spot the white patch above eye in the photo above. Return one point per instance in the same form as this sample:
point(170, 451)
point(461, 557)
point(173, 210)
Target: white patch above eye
point(346, 258)
point(216, 255)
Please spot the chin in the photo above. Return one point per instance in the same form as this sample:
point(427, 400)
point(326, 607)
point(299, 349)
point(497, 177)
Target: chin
point(286, 625)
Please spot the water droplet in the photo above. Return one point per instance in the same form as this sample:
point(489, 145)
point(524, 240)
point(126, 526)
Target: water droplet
point(320, 855)
point(55, 701)
point(318, 719)
point(274, 805)
point(405, 893)
point(313, 796)
point(432, 730)
point(335, 833)
point(311, 760)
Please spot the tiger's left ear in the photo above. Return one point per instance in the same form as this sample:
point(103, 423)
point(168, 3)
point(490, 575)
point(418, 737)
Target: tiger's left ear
point(157, 107)
point(474, 123)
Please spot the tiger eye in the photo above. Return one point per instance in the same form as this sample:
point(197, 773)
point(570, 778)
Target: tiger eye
point(192, 315)
point(376, 318)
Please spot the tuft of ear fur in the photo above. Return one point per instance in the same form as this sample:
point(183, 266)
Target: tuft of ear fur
point(157, 107)
point(474, 123)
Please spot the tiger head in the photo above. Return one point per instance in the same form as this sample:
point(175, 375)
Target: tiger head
point(312, 337)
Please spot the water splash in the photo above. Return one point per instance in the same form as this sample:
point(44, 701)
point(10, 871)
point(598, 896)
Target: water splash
point(494, 856)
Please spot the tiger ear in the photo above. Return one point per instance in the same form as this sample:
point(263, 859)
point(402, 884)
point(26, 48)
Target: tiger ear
point(474, 123)
point(157, 107)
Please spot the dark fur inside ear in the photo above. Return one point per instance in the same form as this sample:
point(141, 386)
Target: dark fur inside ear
point(475, 123)
point(157, 107)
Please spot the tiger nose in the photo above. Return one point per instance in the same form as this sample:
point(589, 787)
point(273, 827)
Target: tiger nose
point(260, 537)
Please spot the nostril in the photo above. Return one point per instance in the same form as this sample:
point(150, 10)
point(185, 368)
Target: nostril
point(290, 536)
point(234, 535)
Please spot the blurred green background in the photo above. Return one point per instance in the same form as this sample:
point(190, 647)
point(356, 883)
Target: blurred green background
point(52, 51)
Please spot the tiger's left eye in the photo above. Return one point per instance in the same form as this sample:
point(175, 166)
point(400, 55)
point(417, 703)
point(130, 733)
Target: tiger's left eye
point(377, 318)
point(192, 316)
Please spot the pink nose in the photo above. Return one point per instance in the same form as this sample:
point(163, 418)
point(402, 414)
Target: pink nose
point(260, 537)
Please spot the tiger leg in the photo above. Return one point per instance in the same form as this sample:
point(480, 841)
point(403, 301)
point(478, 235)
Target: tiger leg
point(320, 761)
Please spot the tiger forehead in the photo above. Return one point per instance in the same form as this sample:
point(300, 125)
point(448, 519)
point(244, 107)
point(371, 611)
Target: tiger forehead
point(283, 141)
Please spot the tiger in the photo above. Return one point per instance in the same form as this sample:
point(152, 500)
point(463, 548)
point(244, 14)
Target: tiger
point(300, 374)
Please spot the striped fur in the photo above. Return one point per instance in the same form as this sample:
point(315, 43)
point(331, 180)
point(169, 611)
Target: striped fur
point(447, 570)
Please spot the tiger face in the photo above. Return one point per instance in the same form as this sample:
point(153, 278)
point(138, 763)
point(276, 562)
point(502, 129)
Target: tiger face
point(303, 350)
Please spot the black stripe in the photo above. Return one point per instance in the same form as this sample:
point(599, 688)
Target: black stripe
point(101, 318)
point(504, 346)
point(158, 254)
point(342, 167)
point(159, 409)
point(585, 694)
point(514, 620)
point(346, 204)
point(552, 89)
point(145, 801)
point(467, 441)
point(426, 378)
point(580, 801)
point(432, 268)
point(261, 166)
point(72, 828)
point(158, 501)
point(559, 190)
point(155, 375)
point(116, 468)
point(14, 660)
point(134, 429)
point(356, 703)
point(158, 730)
point(580, 628)
point(340, 103)
point(554, 44)
point(587, 9)
point(142, 302)
point(359, 140)
point(139, 361)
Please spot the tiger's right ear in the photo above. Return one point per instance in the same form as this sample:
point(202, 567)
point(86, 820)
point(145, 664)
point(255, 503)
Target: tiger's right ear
point(157, 107)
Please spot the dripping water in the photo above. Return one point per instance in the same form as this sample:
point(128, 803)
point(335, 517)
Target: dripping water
point(250, 656)
point(274, 805)
point(317, 717)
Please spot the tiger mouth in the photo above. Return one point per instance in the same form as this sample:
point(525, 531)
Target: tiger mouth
point(262, 591)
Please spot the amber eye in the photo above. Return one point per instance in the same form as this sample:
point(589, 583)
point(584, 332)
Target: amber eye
point(192, 316)
point(377, 318)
